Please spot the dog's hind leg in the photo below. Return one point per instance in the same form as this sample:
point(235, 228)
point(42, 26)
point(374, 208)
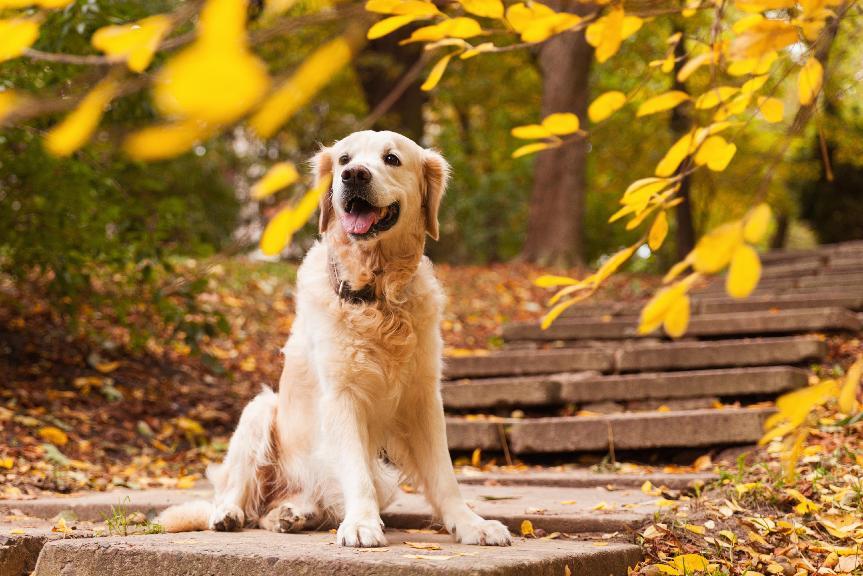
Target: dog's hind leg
point(239, 480)
point(291, 515)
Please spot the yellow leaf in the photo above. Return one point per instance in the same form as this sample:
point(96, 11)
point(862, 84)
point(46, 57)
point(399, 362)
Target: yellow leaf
point(549, 281)
point(312, 75)
point(213, 83)
point(403, 7)
point(809, 81)
point(383, 27)
point(136, 43)
point(744, 272)
point(756, 222)
point(686, 564)
point(606, 34)
point(16, 35)
point(772, 109)
point(759, 65)
point(535, 147)
point(694, 64)
point(795, 406)
point(282, 227)
point(715, 96)
point(476, 458)
point(165, 140)
point(716, 153)
point(695, 529)
point(605, 105)
point(185, 482)
point(223, 24)
point(675, 270)
point(677, 319)
point(558, 309)
point(53, 435)
point(436, 73)
point(561, 124)
point(462, 27)
point(657, 309)
point(658, 231)
point(279, 176)
point(61, 527)
point(527, 528)
point(531, 132)
point(763, 5)
point(9, 100)
point(754, 84)
point(675, 155)
point(715, 249)
point(74, 131)
point(848, 393)
point(537, 22)
point(761, 38)
point(487, 8)
point(8, 463)
point(662, 102)
point(648, 488)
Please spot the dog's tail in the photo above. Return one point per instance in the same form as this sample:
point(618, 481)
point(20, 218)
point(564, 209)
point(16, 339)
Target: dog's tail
point(187, 517)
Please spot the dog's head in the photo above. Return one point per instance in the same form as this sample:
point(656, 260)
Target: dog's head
point(383, 184)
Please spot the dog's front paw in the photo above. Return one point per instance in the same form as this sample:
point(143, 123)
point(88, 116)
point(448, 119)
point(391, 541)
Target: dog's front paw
point(361, 534)
point(483, 533)
point(227, 518)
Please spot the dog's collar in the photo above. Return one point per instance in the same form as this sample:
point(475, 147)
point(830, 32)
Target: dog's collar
point(342, 288)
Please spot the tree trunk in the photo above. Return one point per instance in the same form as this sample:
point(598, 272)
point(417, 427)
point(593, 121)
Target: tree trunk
point(380, 67)
point(681, 123)
point(555, 224)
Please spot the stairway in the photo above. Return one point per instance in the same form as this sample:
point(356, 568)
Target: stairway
point(644, 392)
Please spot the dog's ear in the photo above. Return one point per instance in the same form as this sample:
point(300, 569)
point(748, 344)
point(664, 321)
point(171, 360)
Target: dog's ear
point(436, 175)
point(322, 165)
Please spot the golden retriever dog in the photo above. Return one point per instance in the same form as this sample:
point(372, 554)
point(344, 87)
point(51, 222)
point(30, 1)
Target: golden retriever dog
point(358, 408)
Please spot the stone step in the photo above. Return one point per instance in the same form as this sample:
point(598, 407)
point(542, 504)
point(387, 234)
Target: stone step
point(579, 388)
point(766, 322)
point(639, 357)
point(259, 553)
point(511, 505)
point(831, 282)
point(629, 431)
point(791, 299)
point(584, 478)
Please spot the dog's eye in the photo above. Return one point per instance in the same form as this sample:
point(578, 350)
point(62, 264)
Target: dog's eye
point(392, 160)
point(344, 159)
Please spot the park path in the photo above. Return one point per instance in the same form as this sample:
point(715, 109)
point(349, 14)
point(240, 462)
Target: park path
point(588, 385)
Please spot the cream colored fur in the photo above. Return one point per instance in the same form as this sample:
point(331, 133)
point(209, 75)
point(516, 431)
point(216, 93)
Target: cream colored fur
point(360, 380)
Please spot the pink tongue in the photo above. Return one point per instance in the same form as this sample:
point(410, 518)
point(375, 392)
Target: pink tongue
point(358, 223)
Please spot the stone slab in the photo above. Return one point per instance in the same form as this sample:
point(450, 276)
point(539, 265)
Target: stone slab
point(508, 504)
point(259, 553)
point(757, 323)
point(517, 362)
point(21, 540)
point(582, 478)
point(832, 281)
point(720, 354)
point(639, 431)
point(850, 300)
point(557, 389)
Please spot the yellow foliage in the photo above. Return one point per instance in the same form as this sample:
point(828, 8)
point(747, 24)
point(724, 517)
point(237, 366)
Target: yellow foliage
point(809, 81)
point(487, 8)
point(403, 7)
point(662, 102)
point(136, 43)
point(53, 435)
point(282, 227)
point(715, 249)
point(658, 231)
point(677, 319)
point(675, 155)
point(550, 281)
point(535, 147)
point(74, 131)
point(772, 109)
point(462, 27)
point(436, 73)
point(607, 33)
point(694, 64)
point(659, 307)
point(561, 124)
point(756, 222)
point(761, 38)
point(685, 564)
point(277, 177)
point(763, 5)
point(9, 100)
point(166, 140)
point(537, 22)
point(383, 27)
point(744, 272)
point(527, 528)
point(605, 105)
point(716, 153)
point(715, 96)
point(848, 393)
point(312, 75)
point(16, 35)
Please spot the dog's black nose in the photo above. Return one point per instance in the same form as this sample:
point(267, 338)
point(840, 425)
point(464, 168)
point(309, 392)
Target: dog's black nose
point(356, 175)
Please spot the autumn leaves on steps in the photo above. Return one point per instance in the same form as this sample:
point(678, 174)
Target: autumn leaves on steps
point(597, 383)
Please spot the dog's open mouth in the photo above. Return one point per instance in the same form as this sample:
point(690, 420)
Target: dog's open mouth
point(361, 219)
